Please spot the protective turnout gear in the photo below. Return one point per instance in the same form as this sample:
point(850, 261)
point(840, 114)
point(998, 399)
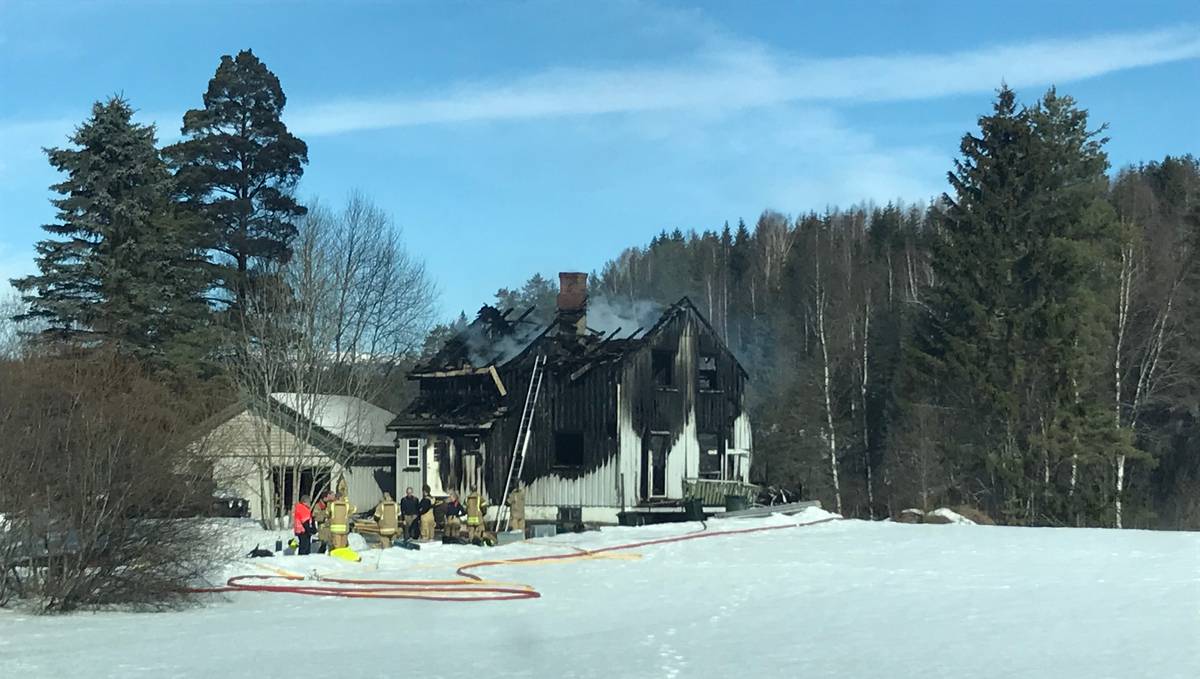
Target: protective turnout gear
point(321, 518)
point(425, 512)
point(339, 521)
point(516, 509)
point(476, 510)
point(388, 519)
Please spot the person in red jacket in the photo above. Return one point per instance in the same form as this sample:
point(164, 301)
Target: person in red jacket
point(302, 525)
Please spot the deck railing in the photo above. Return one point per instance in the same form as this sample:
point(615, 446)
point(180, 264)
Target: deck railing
point(712, 492)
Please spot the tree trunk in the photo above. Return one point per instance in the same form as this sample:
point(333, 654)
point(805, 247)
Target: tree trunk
point(866, 339)
point(1123, 298)
point(832, 435)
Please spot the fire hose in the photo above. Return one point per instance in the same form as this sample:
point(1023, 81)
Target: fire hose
point(469, 587)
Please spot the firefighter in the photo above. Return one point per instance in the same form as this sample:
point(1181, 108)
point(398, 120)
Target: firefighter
point(321, 518)
point(453, 510)
point(409, 506)
point(387, 518)
point(302, 525)
point(476, 510)
point(516, 508)
point(425, 511)
point(340, 511)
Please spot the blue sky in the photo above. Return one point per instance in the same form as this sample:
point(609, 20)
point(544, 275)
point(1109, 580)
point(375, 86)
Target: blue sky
point(510, 138)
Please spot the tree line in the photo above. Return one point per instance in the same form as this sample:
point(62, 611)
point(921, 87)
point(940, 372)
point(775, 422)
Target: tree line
point(1019, 344)
point(176, 281)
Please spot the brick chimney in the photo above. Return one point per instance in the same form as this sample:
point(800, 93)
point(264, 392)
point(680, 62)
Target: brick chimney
point(572, 302)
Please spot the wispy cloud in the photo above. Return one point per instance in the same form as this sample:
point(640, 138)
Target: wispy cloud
point(751, 76)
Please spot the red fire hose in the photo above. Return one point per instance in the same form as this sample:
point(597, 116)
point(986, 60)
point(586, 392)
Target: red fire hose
point(472, 588)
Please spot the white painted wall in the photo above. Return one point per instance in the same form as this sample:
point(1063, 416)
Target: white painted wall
point(244, 448)
point(599, 488)
point(742, 444)
point(629, 448)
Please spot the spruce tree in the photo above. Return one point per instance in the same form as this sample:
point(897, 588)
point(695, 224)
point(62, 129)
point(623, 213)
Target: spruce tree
point(1017, 322)
point(238, 166)
point(124, 268)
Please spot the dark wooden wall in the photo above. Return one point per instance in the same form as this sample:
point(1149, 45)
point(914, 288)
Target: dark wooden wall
point(588, 405)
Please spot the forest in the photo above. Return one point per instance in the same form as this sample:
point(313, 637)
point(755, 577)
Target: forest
point(1018, 344)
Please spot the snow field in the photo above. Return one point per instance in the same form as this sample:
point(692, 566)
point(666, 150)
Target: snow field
point(838, 599)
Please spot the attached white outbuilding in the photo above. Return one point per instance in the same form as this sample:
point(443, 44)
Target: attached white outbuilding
point(270, 450)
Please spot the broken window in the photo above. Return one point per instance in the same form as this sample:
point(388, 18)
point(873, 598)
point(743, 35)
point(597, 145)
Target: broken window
point(706, 374)
point(662, 365)
point(471, 445)
point(710, 457)
point(568, 449)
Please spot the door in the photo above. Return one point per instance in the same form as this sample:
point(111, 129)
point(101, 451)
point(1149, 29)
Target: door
point(654, 466)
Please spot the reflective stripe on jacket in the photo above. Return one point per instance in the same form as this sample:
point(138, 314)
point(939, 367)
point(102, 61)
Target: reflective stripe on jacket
point(385, 514)
point(476, 508)
point(339, 517)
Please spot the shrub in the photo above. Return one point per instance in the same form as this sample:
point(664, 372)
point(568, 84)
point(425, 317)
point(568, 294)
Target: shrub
point(96, 487)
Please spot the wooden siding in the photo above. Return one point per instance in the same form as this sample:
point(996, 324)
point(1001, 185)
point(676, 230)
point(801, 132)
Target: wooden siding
point(587, 406)
point(616, 406)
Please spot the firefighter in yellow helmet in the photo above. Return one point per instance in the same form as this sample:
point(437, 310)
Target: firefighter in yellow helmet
point(340, 511)
point(387, 517)
point(476, 510)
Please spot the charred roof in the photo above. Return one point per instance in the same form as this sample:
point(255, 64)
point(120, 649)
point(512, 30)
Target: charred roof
point(477, 356)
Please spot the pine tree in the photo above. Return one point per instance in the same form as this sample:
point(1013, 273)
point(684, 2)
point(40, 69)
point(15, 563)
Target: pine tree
point(238, 166)
point(125, 269)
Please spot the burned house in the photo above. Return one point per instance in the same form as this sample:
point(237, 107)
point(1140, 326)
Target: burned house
point(631, 418)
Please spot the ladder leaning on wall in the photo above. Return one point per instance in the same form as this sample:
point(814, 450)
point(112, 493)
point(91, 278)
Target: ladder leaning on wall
point(521, 445)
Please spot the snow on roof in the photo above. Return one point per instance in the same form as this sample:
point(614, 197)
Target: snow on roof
point(347, 417)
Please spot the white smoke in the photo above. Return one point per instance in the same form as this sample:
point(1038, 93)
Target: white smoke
point(606, 314)
point(484, 350)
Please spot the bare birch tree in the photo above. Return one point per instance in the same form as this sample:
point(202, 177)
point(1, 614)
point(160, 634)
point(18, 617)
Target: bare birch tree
point(337, 319)
point(1144, 362)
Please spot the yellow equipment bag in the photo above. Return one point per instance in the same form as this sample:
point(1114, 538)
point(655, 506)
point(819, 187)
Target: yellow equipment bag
point(345, 554)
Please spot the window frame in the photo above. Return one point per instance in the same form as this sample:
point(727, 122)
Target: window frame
point(707, 373)
point(412, 455)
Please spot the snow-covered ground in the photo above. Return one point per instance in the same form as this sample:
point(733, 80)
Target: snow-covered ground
point(838, 599)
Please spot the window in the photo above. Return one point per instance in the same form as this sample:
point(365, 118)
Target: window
point(413, 459)
point(710, 457)
point(662, 365)
point(568, 449)
point(470, 445)
point(706, 375)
